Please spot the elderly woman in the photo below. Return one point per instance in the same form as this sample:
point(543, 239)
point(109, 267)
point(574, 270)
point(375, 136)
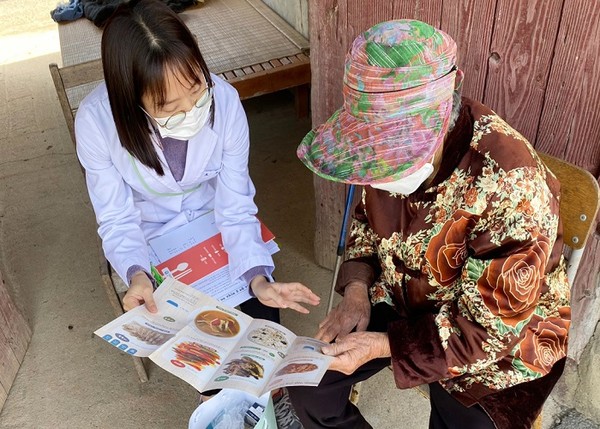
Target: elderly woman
point(454, 272)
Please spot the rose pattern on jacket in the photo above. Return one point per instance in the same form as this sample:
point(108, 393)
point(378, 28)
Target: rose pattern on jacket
point(545, 343)
point(510, 286)
point(447, 250)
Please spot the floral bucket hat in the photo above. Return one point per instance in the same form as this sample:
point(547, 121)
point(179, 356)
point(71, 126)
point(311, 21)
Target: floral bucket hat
point(398, 83)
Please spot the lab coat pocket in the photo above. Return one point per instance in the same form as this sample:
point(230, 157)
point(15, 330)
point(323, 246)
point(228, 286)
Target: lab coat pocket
point(209, 174)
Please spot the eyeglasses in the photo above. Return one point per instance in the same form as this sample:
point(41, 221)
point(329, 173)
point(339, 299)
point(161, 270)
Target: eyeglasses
point(178, 117)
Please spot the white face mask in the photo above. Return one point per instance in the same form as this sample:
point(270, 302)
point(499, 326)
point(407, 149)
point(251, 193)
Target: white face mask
point(409, 184)
point(194, 120)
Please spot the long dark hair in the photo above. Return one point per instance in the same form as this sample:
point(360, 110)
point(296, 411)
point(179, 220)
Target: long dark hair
point(142, 42)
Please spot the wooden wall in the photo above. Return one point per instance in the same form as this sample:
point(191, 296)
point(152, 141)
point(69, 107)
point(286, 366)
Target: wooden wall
point(535, 62)
point(14, 339)
point(295, 12)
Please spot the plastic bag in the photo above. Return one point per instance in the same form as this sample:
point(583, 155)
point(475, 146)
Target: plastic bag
point(227, 410)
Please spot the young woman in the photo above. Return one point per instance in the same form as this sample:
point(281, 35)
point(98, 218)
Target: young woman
point(162, 142)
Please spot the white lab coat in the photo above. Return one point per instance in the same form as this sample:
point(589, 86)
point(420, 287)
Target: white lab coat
point(130, 211)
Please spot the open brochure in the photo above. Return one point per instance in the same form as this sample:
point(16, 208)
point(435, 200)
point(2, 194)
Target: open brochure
point(213, 346)
point(194, 253)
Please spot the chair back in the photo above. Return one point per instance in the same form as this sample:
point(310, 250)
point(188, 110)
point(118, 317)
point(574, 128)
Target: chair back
point(72, 84)
point(579, 202)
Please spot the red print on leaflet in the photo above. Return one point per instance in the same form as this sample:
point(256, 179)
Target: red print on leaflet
point(202, 259)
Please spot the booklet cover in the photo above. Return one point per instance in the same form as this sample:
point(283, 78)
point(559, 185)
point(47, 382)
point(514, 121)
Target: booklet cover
point(194, 253)
point(213, 346)
point(205, 267)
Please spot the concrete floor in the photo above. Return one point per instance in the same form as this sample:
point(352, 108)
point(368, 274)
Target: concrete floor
point(48, 253)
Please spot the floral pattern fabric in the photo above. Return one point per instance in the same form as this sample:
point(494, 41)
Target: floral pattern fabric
point(474, 262)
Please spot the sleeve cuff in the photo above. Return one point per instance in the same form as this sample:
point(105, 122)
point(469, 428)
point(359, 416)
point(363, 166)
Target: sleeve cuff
point(134, 269)
point(359, 269)
point(417, 353)
point(257, 271)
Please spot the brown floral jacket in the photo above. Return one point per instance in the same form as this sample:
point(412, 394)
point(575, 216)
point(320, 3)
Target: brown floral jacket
point(472, 264)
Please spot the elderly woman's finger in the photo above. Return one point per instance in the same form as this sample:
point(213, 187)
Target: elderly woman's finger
point(328, 332)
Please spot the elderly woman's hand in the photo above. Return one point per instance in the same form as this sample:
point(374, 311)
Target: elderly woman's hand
point(356, 349)
point(353, 312)
point(283, 295)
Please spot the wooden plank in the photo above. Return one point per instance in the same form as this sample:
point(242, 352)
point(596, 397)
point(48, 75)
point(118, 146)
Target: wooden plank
point(248, 70)
point(470, 23)
point(294, 12)
point(328, 21)
point(14, 339)
point(275, 63)
point(278, 22)
point(9, 364)
point(361, 18)
point(266, 66)
point(229, 75)
point(257, 68)
point(519, 62)
point(82, 73)
point(429, 11)
point(276, 79)
point(302, 100)
point(238, 72)
point(570, 123)
point(284, 61)
point(3, 396)
point(578, 200)
point(12, 323)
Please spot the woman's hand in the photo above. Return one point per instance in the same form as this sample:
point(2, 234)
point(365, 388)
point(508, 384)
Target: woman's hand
point(353, 312)
point(140, 292)
point(356, 349)
point(283, 295)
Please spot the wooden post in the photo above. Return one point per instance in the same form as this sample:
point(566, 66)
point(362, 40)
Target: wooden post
point(14, 339)
point(328, 40)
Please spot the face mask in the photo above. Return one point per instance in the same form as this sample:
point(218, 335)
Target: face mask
point(194, 120)
point(409, 184)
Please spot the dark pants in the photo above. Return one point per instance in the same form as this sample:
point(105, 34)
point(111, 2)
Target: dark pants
point(448, 413)
point(327, 406)
point(257, 310)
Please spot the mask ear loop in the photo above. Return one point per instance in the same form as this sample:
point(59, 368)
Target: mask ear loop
point(458, 81)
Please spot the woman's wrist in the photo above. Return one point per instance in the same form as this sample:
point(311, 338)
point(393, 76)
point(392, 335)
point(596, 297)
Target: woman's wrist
point(356, 286)
point(258, 282)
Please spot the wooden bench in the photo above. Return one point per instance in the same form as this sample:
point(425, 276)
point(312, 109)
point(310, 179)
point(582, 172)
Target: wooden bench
point(243, 41)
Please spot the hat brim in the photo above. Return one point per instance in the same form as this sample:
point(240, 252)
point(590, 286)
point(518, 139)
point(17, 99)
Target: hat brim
point(349, 150)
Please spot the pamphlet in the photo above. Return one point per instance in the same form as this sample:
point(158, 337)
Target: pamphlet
point(213, 346)
point(194, 253)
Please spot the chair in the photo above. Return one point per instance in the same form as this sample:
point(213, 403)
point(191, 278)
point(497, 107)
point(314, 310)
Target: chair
point(68, 80)
point(579, 203)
